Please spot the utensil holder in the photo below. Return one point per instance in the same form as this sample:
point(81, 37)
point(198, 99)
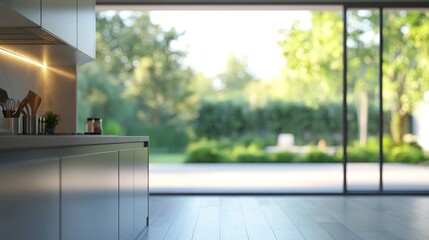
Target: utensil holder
point(30, 125)
point(13, 125)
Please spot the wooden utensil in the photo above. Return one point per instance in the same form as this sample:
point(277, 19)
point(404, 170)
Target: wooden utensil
point(21, 106)
point(34, 101)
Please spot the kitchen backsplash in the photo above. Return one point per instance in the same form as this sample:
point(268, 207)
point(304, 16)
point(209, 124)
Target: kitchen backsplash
point(55, 84)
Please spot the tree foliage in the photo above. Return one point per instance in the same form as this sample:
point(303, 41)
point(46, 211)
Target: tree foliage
point(236, 75)
point(139, 82)
point(314, 60)
point(406, 65)
point(137, 76)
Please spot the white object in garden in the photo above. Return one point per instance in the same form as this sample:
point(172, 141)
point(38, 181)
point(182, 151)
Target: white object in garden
point(420, 122)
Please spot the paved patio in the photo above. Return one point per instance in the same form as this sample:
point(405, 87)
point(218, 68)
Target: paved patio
point(283, 177)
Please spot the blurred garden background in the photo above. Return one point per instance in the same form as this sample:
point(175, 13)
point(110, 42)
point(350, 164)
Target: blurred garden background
point(247, 108)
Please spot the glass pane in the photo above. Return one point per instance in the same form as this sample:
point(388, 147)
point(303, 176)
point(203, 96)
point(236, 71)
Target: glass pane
point(257, 94)
point(406, 99)
point(363, 100)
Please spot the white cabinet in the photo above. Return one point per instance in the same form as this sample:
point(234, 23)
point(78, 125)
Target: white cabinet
point(89, 196)
point(28, 8)
point(86, 27)
point(52, 28)
point(133, 192)
point(60, 19)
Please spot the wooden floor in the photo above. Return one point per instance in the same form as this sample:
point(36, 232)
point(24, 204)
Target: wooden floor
point(288, 217)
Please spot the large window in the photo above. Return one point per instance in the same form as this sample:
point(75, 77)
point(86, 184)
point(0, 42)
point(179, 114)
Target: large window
point(266, 87)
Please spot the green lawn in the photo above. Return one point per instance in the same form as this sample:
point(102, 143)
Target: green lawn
point(167, 158)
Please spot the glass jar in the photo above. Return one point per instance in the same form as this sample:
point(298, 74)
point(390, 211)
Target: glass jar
point(94, 126)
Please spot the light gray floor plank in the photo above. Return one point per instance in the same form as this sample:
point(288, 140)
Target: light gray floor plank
point(156, 204)
point(288, 217)
point(208, 221)
point(377, 214)
point(232, 225)
point(184, 224)
point(162, 222)
point(256, 223)
point(302, 219)
point(281, 225)
point(378, 236)
point(339, 231)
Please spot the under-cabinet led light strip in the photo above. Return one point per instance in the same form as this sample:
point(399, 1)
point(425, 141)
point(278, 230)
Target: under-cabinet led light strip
point(22, 58)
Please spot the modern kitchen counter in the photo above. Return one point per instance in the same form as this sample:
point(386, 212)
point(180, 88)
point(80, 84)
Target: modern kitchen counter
point(17, 142)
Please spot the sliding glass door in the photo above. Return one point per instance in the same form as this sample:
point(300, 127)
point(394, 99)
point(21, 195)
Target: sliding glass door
point(406, 99)
point(387, 100)
point(363, 99)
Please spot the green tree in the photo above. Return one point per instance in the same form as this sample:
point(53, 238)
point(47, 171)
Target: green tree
point(313, 71)
point(314, 58)
point(406, 65)
point(363, 66)
point(162, 89)
point(137, 77)
point(235, 77)
point(100, 96)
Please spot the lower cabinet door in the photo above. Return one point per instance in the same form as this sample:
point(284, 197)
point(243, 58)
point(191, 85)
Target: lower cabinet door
point(89, 192)
point(126, 194)
point(141, 189)
point(29, 197)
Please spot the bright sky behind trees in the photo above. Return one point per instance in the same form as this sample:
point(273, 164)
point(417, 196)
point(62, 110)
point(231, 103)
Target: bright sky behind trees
point(211, 35)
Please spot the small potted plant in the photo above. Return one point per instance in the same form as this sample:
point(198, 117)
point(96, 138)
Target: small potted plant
point(51, 121)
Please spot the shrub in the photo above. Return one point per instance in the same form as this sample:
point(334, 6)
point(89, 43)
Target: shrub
point(260, 141)
point(255, 157)
point(315, 156)
point(163, 139)
point(362, 153)
point(205, 152)
point(113, 127)
point(406, 153)
point(284, 157)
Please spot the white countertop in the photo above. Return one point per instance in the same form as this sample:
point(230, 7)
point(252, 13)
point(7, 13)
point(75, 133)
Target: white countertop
point(16, 142)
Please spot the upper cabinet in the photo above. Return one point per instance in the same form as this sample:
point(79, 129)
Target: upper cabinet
point(60, 19)
point(27, 8)
point(38, 27)
point(86, 27)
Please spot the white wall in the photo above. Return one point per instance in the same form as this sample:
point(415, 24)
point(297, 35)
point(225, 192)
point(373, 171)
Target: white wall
point(56, 86)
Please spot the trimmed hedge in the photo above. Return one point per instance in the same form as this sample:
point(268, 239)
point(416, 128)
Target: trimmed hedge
point(234, 119)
